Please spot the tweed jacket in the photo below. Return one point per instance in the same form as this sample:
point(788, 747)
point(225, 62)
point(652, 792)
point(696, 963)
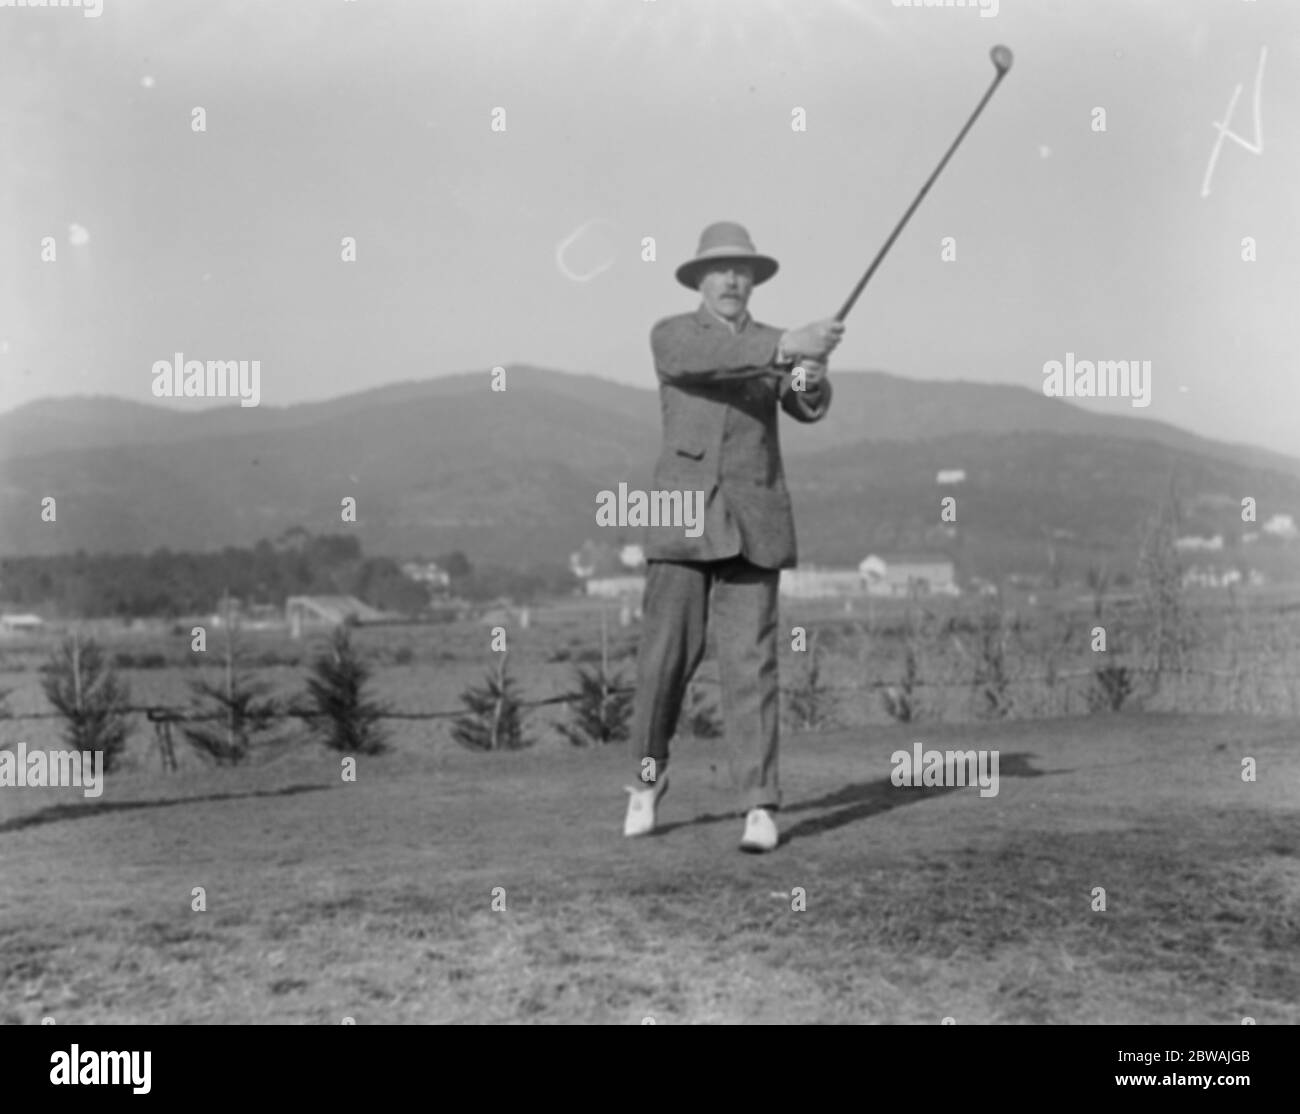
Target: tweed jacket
point(719, 397)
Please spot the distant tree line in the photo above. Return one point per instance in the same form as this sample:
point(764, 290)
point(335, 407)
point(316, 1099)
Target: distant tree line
point(166, 583)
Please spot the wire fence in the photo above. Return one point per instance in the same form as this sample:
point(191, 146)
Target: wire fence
point(178, 713)
point(808, 700)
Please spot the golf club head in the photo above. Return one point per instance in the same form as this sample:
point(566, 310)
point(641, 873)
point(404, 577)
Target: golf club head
point(1002, 58)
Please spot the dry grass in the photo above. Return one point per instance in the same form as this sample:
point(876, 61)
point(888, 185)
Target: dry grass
point(373, 900)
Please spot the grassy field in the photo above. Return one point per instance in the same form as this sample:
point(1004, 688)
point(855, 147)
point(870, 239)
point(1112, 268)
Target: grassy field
point(373, 900)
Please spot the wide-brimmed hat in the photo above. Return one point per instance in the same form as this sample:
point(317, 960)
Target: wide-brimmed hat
point(720, 242)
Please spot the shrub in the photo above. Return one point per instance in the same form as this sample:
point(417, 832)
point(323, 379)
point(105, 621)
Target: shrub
point(992, 679)
point(900, 700)
point(1112, 685)
point(268, 659)
point(602, 712)
point(343, 717)
point(85, 689)
point(1165, 613)
point(811, 699)
point(1058, 634)
point(238, 709)
point(152, 659)
point(992, 675)
point(494, 716)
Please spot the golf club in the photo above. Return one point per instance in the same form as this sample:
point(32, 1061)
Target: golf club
point(1002, 59)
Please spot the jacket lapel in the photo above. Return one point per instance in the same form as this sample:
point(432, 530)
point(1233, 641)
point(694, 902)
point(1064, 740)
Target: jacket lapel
point(705, 319)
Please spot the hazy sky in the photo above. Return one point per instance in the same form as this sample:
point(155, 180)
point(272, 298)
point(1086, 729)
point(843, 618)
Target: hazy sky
point(634, 118)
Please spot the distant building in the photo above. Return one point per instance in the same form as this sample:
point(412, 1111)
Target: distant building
point(819, 584)
point(616, 587)
point(1208, 577)
point(601, 559)
point(14, 622)
point(1281, 526)
point(1191, 541)
point(582, 561)
point(951, 476)
point(327, 611)
point(262, 616)
point(426, 572)
point(903, 574)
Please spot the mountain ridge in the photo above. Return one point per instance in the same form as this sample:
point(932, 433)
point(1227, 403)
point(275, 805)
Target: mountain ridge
point(445, 463)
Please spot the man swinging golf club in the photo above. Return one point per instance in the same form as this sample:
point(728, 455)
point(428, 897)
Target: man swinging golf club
point(722, 376)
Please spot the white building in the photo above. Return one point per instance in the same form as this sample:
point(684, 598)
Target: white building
point(1281, 526)
point(616, 587)
point(326, 611)
point(1192, 541)
point(901, 575)
point(426, 572)
point(820, 584)
point(1199, 576)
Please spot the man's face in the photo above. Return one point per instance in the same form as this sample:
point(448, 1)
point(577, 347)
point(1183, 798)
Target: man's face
point(725, 288)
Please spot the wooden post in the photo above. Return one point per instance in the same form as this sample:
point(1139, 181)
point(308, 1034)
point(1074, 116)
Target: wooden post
point(163, 737)
point(230, 676)
point(604, 666)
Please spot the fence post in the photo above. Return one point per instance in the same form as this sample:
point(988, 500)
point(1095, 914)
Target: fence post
point(162, 728)
point(604, 664)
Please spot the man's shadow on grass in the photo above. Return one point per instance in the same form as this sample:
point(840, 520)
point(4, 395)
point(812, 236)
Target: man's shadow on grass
point(55, 813)
point(867, 798)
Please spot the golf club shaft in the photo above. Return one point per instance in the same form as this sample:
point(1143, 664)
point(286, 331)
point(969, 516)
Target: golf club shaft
point(862, 282)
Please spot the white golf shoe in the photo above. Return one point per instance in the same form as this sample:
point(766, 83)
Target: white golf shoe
point(760, 831)
point(641, 807)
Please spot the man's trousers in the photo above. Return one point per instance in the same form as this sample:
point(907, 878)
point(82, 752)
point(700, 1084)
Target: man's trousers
point(679, 596)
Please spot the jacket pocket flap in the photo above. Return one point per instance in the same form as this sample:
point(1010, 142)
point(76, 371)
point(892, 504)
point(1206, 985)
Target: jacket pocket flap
point(691, 451)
